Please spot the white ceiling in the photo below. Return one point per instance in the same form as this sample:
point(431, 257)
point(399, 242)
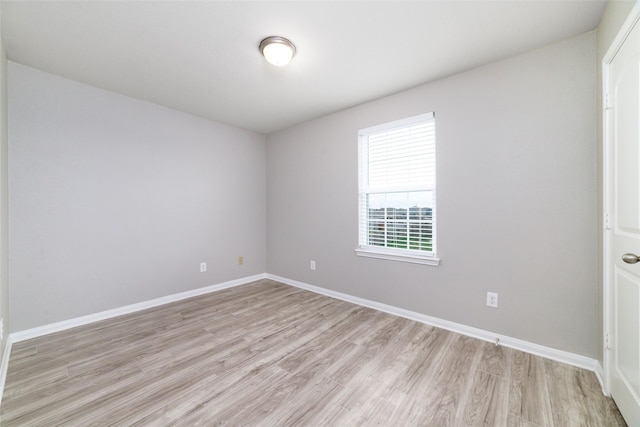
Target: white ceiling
point(202, 57)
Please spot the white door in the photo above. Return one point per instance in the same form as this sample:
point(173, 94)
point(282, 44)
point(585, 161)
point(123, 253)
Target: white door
point(623, 236)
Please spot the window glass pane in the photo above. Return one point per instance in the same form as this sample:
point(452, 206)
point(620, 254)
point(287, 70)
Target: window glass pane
point(401, 220)
point(377, 233)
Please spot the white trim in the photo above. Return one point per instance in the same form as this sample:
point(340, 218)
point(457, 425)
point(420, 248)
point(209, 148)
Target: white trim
point(95, 317)
point(528, 347)
point(4, 365)
point(398, 257)
point(606, 234)
point(600, 376)
point(607, 170)
point(623, 33)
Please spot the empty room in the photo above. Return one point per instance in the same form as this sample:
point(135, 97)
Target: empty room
point(320, 213)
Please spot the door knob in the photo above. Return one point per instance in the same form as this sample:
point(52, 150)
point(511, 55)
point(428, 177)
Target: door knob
point(630, 258)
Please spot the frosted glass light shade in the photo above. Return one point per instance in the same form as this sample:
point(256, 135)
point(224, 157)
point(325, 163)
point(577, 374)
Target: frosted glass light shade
point(277, 50)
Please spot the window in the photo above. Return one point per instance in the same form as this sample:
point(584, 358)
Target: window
point(397, 190)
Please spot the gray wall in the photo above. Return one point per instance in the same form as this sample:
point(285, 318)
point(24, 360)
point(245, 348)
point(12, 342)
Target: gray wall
point(4, 202)
point(115, 201)
point(517, 207)
point(611, 22)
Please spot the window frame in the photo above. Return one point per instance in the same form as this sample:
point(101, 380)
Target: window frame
point(382, 252)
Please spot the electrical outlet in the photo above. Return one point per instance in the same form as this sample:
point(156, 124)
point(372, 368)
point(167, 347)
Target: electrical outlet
point(312, 265)
point(203, 267)
point(492, 299)
point(240, 260)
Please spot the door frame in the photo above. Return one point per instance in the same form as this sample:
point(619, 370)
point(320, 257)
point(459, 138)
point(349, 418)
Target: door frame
point(607, 199)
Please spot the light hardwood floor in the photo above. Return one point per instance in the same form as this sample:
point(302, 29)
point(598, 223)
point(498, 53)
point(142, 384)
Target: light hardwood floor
point(269, 354)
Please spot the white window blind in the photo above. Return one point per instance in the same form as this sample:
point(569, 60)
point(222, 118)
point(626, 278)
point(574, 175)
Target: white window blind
point(397, 189)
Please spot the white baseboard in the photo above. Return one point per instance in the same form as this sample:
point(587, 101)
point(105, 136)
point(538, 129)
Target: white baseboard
point(90, 318)
point(599, 371)
point(528, 347)
point(4, 365)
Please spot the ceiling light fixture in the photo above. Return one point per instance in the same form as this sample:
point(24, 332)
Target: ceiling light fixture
point(277, 50)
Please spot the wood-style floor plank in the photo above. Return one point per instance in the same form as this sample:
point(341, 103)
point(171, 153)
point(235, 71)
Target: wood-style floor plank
point(529, 395)
point(487, 401)
point(267, 354)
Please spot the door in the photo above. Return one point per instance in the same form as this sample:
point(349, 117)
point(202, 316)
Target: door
point(623, 235)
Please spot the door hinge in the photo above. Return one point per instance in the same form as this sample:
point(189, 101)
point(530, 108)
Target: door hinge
point(607, 221)
point(607, 341)
point(606, 101)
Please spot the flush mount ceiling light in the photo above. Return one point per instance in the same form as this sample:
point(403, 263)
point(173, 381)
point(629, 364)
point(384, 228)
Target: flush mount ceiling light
point(277, 50)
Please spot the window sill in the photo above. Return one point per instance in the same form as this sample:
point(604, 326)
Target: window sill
point(398, 257)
